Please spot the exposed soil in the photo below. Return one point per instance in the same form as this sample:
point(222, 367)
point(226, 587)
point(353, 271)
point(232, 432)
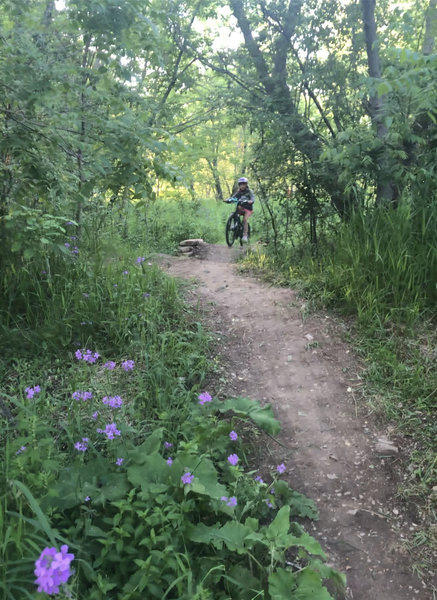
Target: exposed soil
point(312, 380)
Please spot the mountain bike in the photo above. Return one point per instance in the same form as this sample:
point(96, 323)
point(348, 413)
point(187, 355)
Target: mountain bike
point(234, 227)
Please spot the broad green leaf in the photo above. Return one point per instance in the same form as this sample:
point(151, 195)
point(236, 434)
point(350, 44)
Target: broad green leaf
point(280, 525)
point(151, 445)
point(232, 534)
point(304, 585)
point(153, 470)
point(262, 416)
point(281, 585)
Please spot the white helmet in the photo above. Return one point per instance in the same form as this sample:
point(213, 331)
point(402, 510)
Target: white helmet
point(243, 180)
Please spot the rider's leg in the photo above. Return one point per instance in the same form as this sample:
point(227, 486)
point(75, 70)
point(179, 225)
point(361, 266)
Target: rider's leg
point(245, 223)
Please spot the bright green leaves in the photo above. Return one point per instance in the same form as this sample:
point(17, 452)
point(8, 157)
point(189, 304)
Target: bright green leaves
point(303, 585)
point(261, 415)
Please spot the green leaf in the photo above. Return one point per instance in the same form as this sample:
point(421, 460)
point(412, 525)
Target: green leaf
point(153, 470)
point(280, 524)
point(304, 585)
point(152, 445)
point(232, 534)
point(41, 518)
point(262, 416)
point(281, 584)
point(383, 88)
point(309, 585)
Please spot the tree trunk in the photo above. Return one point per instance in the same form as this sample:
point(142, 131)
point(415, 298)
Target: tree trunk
point(213, 165)
point(386, 190)
point(430, 28)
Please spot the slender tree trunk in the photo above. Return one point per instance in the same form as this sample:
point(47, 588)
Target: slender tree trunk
point(213, 165)
point(430, 28)
point(386, 190)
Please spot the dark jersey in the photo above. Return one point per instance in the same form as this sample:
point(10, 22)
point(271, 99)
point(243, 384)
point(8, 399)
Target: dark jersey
point(246, 198)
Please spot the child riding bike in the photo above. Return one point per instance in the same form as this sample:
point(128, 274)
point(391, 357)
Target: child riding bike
point(245, 199)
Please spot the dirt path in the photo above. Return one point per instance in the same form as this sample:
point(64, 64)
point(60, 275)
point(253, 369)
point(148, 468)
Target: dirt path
point(309, 376)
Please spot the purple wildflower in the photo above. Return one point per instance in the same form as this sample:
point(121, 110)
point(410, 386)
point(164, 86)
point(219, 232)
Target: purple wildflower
point(273, 491)
point(125, 272)
point(90, 356)
point(85, 295)
point(31, 391)
point(232, 501)
point(109, 365)
point(233, 435)
point(146, 295)
point(169, 461)
point(52, 569)
point(113, 401)
point(233, 459)
point(87, 355)
point(82, 446)
point(95, 415)
point(128, 365)
point(75, 250)
point(259, 479)
point(281, 468)
point(87, 499)
point(84, 396)
point(67, 245)
point(140, 259)
point(110, 431)
point(187, 478)
point(203, 398)
point(269, 504)
point(119, 462)
point(168, 445)
point(20, 450)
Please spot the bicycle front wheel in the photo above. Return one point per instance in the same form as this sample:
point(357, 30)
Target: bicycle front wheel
point(230, 231)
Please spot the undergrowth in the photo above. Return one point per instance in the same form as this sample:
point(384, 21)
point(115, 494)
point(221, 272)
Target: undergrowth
point(113, 451)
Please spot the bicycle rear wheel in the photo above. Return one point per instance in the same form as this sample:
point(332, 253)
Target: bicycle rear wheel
point(230, 231)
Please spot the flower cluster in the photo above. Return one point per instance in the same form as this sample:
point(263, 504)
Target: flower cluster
point(113, 401)
point(203, 398)
point(140, 259)
point(109, 365)
point(110, 431)
point(187, 478)
point(232, 501)
point(75, 249)
point(31, 391)
point(82, 446)
point(87, 355)
point(233, 459)
point(233, 435)
point(79, 395)
point(21, 450)
point(52, 569)
point(128, 365)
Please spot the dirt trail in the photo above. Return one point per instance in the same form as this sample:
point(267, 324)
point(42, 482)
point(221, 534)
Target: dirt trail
point(309, 375)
